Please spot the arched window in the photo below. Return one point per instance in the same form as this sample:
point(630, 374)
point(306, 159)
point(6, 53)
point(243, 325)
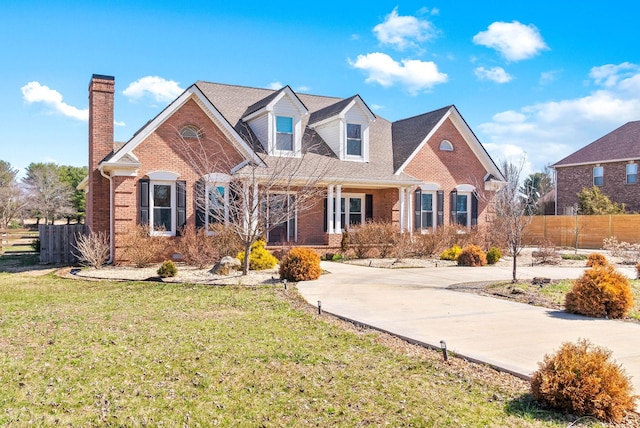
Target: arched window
point(190, 131)
point(446, 146)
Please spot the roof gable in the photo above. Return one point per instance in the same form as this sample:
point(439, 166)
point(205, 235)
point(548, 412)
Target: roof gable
point(268, 103)
point(339, 109)
point(193, 92)
point(620, 144)
point(410, 136)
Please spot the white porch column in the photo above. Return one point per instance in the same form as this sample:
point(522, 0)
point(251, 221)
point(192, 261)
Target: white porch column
point(410, 209)
point(338, 226)
point(401, 201)
point(330, 211)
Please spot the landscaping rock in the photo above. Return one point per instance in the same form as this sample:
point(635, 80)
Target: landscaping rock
point(225, 266)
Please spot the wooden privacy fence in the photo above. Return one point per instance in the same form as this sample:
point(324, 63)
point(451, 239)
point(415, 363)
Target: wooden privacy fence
point(561, 230)
point(57, 242)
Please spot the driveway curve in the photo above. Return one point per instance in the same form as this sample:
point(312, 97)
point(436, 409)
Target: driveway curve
point(416, 304)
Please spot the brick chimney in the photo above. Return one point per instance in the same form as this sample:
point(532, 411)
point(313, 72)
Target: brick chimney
point(101, 90)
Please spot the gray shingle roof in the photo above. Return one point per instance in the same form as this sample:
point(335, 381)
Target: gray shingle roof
point(620, 144)
point(330, 111)
point(408, 133)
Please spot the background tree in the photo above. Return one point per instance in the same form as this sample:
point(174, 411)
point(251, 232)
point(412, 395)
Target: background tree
point(593, 202)
point(48, 196)
point(12, 199)
point(535, 186)
point(513, 206)
point(72, 176)
point(266, 193)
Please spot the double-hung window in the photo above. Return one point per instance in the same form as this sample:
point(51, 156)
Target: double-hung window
point(462, 212)
point(284, 133)
point(354, 139)
point(217, 207)
point(162, 202)
point(632, 173)
point(598, 175)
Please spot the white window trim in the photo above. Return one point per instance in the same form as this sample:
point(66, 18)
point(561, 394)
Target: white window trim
point(346, 196)
point(215, 180)
point(469, 196)
point(172, 195)
point(627, 173)
point(295, 216)
point(446, 146)
point(273, 135)
point(364, 141)
point(598, 176)
point(434, 210)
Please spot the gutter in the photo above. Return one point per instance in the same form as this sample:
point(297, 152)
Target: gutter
point(111, 228)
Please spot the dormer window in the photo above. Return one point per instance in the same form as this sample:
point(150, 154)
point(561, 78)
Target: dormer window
point(284, 133)
point(354, 139)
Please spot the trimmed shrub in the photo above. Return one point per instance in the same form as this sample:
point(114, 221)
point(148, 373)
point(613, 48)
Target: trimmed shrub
point(300, 264)
point(597, 259)
point(582, 380)
point(493, 255)
point(600, 292)
point(472, 255)
point(451, 253)
point(167, 269)
point(260, 258)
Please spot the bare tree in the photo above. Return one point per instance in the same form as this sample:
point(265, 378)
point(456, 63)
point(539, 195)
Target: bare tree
point(12, 198)
point(46, 192)
point(513, 208)
point(253, 197)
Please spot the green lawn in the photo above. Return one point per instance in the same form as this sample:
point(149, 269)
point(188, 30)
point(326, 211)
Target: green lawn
point(85, 353)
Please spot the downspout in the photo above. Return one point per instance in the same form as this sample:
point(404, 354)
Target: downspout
point(111, 228)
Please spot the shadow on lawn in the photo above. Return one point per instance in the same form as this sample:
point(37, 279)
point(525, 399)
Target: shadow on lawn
point(526, 407)
point(20, 262)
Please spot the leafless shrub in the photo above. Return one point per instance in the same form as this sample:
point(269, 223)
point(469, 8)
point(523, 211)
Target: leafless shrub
point(374, 238)
point(92, 249)
point(629, 253)
point(546, 254)
point(197, 248)
point(226, 241)
point(427, 244)
point(403, 246)
point(141, 248)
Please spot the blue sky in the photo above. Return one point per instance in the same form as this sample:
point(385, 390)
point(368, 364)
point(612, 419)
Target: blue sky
point(536, 79)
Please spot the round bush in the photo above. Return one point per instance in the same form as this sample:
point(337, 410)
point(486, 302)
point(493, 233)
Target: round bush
point(451, 253)
point(582, 380)
point(260, 258)
point(597, 259)
point(300, 264)
point(493, 255)
point(167, 269)
point(472, 255)
point(600, 292)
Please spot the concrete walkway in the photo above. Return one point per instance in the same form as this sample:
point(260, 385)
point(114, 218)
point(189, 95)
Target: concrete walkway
point(415, 303)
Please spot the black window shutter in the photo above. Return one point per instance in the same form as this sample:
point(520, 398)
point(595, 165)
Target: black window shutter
point(368, 208)
point(474, 209)
point(199, 201)
point(417, 207)
point(181, 205)
point(143, 199)
point(453, 203)
point(440, 207)
point(325, 215)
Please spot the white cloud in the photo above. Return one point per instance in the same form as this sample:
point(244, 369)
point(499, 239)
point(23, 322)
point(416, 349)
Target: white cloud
point(160, 89)
point(549, 131)
point(34, 92)
point(275, 85)
point(495, 74)
point(547, 77)
point(415, 75)
point(515, 41)
point(116, 123)
point(376, 107)
point(402, 32)
point(303, 88)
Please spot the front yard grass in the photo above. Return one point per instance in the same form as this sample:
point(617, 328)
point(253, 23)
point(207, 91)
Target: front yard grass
point(87, 353)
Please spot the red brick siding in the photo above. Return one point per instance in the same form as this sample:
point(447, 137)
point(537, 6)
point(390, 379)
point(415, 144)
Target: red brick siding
point(572, 179)
point(100, 145)
point(449, 169)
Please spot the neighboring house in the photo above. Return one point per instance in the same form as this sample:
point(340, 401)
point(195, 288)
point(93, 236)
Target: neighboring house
point(610, 162)
point(422, 172)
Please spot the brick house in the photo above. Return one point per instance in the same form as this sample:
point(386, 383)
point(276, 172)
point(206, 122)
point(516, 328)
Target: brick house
point(422, 172)
point(610, 162)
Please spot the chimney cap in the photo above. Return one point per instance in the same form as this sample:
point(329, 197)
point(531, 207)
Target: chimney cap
point(102, 77)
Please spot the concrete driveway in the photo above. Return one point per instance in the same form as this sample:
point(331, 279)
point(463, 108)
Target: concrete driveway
point(414, 303)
